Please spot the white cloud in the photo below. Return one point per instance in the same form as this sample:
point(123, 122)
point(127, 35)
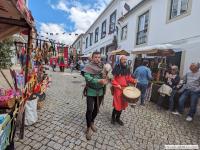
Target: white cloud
point(56, 28)
point(82, 15)
point(61, 5)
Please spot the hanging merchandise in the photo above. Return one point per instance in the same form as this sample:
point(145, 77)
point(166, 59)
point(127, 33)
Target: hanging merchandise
point(53, 48)
point(8, 98)
point(20, 81)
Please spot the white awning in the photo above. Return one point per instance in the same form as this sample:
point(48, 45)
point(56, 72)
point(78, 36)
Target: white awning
point(163, 49)
point(86, 55)
point(160, 47)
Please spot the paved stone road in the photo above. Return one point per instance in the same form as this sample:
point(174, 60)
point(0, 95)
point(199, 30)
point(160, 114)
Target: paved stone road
point(61, 123)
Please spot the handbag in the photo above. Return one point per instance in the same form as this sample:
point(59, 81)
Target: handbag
point(165, 90)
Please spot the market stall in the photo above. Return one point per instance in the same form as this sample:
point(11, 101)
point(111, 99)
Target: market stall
point(15, 18)
point(161, 58)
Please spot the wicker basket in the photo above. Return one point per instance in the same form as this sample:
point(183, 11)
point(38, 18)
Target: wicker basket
point(7, 103)
point(40, 105)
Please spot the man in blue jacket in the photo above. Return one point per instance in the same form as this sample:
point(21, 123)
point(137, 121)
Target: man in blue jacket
point(143, 75)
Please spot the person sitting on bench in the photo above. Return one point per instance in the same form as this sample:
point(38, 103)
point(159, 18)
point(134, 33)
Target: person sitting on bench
point(191, 88)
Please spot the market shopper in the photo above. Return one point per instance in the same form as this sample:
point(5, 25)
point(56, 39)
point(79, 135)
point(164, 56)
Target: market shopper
point(81, 65)
point(54, 64)
point(71, 66)
point(122, 78)
point(94, 91)
point(143, 75)
point(190, 88)
point(172, 80)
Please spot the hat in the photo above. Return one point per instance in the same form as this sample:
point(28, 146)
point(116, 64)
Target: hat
point(122, 56)
point(174, 67)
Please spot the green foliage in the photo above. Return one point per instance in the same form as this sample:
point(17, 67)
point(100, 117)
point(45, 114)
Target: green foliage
point(6, 53)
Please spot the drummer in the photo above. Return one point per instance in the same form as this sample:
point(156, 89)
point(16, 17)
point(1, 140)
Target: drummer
point(122, 77)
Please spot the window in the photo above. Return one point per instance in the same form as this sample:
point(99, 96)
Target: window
point(91, 38)
point(102, 51)
point(124, 32)
point(112, 22)
point(96, 34)
point(178, 7)
point(103, 29)
point(143, 23)
point(86, 43)
point(79, 44)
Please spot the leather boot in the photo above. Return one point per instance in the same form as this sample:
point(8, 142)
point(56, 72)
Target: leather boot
point(113, 119)
point(118, 120)
point(93, 127)
point(89, 133)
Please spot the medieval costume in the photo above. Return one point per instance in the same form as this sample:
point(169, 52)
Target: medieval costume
point(61, 63)
point(94, 92)
point(122, 77)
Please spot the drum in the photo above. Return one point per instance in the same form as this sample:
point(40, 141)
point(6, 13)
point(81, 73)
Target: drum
point(131, 94)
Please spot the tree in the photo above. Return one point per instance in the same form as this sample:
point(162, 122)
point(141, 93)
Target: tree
point(6, 53)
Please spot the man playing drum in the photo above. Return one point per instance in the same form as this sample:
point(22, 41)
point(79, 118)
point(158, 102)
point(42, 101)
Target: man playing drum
point(122, 77)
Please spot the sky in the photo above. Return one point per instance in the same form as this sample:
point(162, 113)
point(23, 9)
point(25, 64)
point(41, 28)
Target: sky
point(65, 16)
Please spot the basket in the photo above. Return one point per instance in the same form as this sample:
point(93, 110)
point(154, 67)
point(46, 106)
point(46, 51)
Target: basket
point(9, 103)
point(131, 94)
point(40, 105)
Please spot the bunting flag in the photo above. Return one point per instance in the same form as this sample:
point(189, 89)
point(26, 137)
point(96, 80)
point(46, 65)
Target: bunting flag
point(64, 33)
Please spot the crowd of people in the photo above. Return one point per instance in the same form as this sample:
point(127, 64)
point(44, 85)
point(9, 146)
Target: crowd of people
point(96, 82)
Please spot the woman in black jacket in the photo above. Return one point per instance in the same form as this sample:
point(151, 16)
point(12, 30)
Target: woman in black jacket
point(172, 79)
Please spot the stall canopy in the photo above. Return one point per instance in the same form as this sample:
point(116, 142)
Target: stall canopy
point(86, 55)
point(120, 52)
point(156, 50)
point(14, 17)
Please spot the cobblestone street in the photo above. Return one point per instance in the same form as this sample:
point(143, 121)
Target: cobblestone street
point(62, 124)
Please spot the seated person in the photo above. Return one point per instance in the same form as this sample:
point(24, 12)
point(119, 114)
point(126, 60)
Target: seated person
point(172, 79)
point(190, 88)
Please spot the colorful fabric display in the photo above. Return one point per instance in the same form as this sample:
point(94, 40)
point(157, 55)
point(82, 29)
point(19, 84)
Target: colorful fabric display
point(20, 81)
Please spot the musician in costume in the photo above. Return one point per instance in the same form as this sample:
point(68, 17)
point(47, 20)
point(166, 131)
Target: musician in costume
point(122, 78)
point(94, 91)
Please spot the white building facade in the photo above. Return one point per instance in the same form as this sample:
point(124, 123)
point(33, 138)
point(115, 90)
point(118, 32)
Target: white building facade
point(78, 44)
point(101, 34)
point(154, 22)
